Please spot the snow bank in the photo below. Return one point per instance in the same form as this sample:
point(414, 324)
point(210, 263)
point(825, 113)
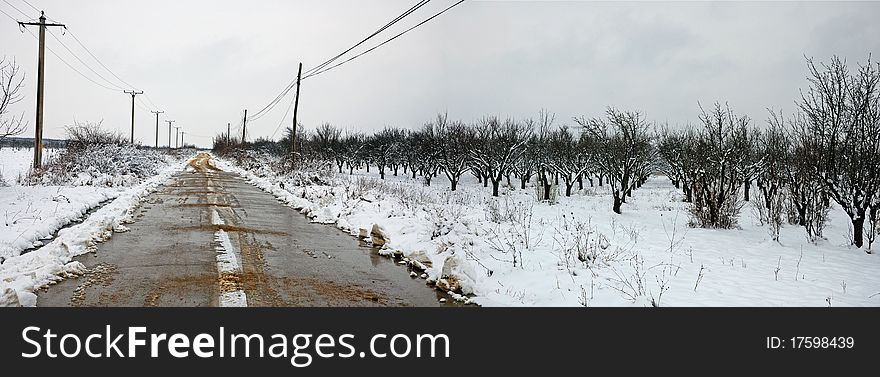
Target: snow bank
point(21, 275)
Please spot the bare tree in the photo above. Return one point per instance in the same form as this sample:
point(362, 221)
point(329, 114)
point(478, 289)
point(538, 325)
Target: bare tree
point(497, 145)
point(454, 139)
point(842, 121)
point(624, 149)
point(566, 158)
point(720, 161)
point(327, 142)
point(11, 84)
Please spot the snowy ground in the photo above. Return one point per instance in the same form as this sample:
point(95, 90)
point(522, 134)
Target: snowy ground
point(33, 215)
point(15, 162)
point(647, 254)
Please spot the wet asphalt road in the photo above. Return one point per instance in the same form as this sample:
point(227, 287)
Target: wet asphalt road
point(208, 238)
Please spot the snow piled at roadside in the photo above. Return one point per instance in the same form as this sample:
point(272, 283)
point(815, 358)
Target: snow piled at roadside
point(467, 240)
point(32, 215)
point(21, 275)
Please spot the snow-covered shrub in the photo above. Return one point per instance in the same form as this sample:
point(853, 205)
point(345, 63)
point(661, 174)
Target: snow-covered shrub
point(97, 157)
point(108, 165)
point(265, 163)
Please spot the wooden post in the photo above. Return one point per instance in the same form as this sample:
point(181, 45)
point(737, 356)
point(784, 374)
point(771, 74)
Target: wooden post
point(157, 126)
point(295, 106)
point(41, 69)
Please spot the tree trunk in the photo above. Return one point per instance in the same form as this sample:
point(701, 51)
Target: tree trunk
point(546, 188)
point(413, 171)
point(858, 229)
point(580, 182)
point(601, 178)
point(485, 181)
point(381, 173)
point(675, 183)
point(802, 215)
point(495, 184)
point(748, 186)
point(568, 187)
point(523, 181)
point(454, 184)
point(617, 203)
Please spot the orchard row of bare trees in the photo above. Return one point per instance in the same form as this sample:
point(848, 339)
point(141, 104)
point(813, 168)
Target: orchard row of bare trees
point(793, 168)
point(827, 152)
point(614, 149)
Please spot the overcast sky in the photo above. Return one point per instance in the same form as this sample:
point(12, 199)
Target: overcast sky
point(203, 62)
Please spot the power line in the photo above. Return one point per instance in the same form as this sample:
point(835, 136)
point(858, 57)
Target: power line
point(16, 8)
point(82, 62)
point(72, 34)
point(283, 118)
point(7, 15)
point(389, 24)
point(290, 86)
point(387, 41)
point(71, 67)
point(150, 101)
point(143, 105)
point(31, 5)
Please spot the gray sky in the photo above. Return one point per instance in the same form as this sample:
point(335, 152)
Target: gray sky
point(204, 61)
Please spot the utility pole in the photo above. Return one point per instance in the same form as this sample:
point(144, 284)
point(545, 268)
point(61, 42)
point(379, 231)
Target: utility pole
point(228, 130)
point(169, 132)
point(157, 126)
point(176, 133)
point(38, 131)
point(295, 106)
point(133, 93)
point(244, 127)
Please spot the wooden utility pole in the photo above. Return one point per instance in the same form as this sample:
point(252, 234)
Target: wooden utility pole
point(295, 106)
point(169, 132)
point(133, 93)
point(228, 130)
point(244, 127)
point(157, 126)
point(176, 133)
point(38, 131)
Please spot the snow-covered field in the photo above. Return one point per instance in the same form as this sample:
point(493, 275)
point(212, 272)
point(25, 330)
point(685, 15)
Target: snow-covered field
point(15, 162)
point(578, 252)
point(33, 215)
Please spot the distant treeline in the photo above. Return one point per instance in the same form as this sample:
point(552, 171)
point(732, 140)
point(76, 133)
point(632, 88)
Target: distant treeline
point(28, 142)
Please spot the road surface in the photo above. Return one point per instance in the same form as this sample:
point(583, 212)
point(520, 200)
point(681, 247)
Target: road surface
point(209, 238)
